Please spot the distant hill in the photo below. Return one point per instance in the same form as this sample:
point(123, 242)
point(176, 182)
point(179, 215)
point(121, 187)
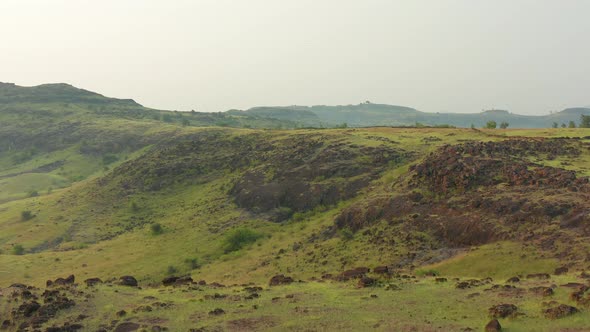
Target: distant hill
point(367, 114)
point(59, 92)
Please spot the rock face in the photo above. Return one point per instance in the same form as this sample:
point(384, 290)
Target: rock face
point(280, 279)
point(503, 311)
point(493, 326)
point(466, 166)
point(560, 311)
point(128, 281)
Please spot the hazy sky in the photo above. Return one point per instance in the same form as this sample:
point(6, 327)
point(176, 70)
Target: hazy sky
point(437, 56)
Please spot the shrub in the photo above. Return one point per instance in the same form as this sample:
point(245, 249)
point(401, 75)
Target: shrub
point(33, 193)
point(491, 125)
point(193, 263)
point(18, 249)
point(239, 238)
point(172, 269)
point(109, 159)
point(156, 229)
point(346, 234)
point(504, 125)
point(26, 215)
point(134, 206)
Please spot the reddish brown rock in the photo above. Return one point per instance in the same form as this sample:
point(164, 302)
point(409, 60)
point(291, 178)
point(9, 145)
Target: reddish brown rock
point(562, 310)
point(493, 326)
point(503, 311)
point(280, 279)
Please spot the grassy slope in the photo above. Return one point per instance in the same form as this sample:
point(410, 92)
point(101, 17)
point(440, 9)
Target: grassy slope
point(192, 216)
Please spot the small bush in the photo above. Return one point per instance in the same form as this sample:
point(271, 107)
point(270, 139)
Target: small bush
point(193, 263)
point(33, 193)
point(134, 206)
point(18, 249)
point(172, 269)
point(346, 234)
point(239, 238)
point(156, 229)
point(26, 215)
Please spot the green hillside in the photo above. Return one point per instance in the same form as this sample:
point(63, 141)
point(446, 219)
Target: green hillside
point(233, 228)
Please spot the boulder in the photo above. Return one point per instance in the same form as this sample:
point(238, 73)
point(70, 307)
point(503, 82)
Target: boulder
point(381, 269)
point(493, 326)
point(503, 311)
point(513, 280)
point(128, 281)
point(280, 279)
point(92, 282)
point(366, 282)
point(560, 311)
point(538, 276)
point(127, 327)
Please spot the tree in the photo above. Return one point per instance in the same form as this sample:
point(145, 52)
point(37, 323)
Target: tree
point(491, 124)
point(572, 124)
point(563, 125)
point(504, 125)
point(584, 121)
point(555, 124)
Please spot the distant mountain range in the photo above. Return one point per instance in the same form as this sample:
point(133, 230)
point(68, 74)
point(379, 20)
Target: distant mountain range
point(366, 114)
point(361, 115)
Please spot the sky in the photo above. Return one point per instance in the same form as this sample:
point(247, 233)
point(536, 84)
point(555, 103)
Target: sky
point(525, 56)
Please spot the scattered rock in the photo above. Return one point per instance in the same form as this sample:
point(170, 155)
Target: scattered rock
point(216, 312)
point(381, 269)
point(542, 290)
point(65, 328)
point(503, 311)
point(560, 311)
point(493, 326)
point(513, 280)
point(128, 281)
point(353, 274)
point(366, 282)
point(127, 327)
point(92, 282)
point(538, 276)
point(280, 279)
